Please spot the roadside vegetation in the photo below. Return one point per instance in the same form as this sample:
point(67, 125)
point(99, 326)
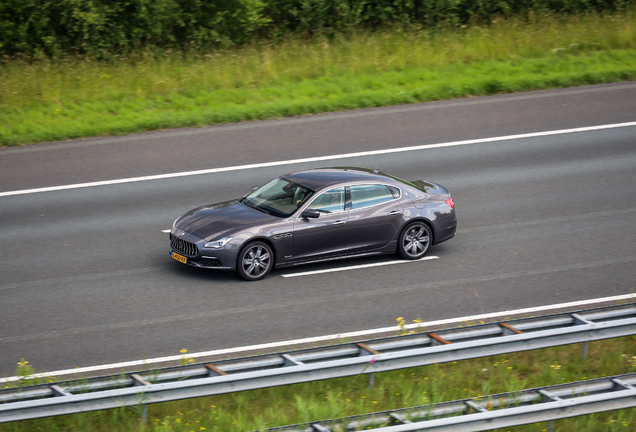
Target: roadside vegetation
point(279, 406)
point(45, 98)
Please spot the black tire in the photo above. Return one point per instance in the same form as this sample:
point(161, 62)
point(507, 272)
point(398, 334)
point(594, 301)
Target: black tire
point(255, 260)
point(415, 241)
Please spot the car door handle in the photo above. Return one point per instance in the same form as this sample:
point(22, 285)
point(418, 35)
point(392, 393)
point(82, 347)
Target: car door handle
point(395, 212)
point(340, 222)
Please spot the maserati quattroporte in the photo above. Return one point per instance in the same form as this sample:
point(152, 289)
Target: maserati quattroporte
point(315, 215)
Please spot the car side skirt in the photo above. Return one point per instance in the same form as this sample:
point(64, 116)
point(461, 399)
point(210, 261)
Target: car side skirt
point(390, 248)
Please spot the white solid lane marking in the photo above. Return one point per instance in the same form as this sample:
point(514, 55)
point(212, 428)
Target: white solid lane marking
point(165, 231)
point(355, 267)
point(318, 158)
point(423, 325)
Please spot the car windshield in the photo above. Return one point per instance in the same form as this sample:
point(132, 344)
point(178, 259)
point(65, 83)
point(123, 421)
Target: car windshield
point(280, 197)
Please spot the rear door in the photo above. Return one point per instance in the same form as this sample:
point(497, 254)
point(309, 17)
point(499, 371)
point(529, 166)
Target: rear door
point(375, 216)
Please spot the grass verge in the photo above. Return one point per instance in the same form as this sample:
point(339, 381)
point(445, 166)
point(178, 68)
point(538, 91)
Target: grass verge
point(79, 97)
point(299, 403)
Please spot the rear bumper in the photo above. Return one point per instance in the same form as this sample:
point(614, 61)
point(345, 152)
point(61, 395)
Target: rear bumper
point(446, 234)
point(445, 227)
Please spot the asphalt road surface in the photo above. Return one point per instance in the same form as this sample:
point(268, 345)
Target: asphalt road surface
point(85, 276)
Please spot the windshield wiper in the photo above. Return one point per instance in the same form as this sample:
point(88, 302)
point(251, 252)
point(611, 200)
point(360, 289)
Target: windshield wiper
point(270, 212)
point(255, 207)
point(263, 210)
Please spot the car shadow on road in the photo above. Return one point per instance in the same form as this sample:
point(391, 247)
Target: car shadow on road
point(219, 276)
point(200, 274)
point(438, 250)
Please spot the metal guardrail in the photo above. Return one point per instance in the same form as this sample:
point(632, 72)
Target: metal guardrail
point(491, 412)
point(314, 364)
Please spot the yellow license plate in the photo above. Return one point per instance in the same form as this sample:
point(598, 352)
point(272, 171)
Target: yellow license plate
point(179, 258)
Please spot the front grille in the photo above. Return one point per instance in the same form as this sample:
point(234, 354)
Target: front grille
point(210, 262)
point(183, 246)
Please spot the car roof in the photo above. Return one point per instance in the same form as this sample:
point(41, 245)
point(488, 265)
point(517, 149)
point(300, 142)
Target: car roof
point(315, 179)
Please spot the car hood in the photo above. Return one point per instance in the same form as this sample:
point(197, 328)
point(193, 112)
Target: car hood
point(212, 221)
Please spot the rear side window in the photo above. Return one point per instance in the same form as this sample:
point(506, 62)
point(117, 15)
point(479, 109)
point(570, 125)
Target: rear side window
point(368, 195)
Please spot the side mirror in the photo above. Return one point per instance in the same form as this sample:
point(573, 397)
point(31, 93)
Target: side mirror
point(310, 214)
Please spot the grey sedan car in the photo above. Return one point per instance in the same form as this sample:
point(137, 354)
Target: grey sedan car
point(315, 215)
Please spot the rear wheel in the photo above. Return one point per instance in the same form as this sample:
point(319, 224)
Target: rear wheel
point(254, 261)
point(415, 241)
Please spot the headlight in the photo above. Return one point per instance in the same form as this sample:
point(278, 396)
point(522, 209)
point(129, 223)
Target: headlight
point(216, 244)
point(174, 224)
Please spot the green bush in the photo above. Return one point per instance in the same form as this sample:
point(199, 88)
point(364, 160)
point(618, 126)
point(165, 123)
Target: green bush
point(102, 27)
point(336, 15)
point(97, 27)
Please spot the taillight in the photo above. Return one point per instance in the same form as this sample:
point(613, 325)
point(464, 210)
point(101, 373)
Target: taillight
point(450, 202)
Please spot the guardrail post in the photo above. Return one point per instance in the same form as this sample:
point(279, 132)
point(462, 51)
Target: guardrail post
point(59, 391)
point(579, 320)
point(214, 371)
point(288, 360)
point(475, 407)
point(371, 381)
point(551, 426)
point(509, 330)
point(365, 350)
point(139, 381)
point(438, 340)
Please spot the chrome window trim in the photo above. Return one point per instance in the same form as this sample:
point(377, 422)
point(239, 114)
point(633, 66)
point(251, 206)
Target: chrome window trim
point(373, 205)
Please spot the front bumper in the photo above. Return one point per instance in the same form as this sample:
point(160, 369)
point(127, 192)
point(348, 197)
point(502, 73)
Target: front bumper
point(210, 262)
point(191, 248)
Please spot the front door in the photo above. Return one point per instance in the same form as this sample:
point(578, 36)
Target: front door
point(325, 234)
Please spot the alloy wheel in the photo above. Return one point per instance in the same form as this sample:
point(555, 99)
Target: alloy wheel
point(255, 261)
point(415, 241)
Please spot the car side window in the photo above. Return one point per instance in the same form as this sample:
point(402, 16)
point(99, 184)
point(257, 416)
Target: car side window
point(395, 191)
point(368, 195)
point(332, 201)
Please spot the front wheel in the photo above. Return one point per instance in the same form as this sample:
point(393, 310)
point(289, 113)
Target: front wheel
point(415, 241)
point(254, 261)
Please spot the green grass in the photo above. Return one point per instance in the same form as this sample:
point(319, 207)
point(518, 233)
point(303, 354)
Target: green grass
point(336, 398)
point(79, 97)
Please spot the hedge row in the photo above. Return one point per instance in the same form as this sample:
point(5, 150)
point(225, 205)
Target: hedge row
point(99, 27)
